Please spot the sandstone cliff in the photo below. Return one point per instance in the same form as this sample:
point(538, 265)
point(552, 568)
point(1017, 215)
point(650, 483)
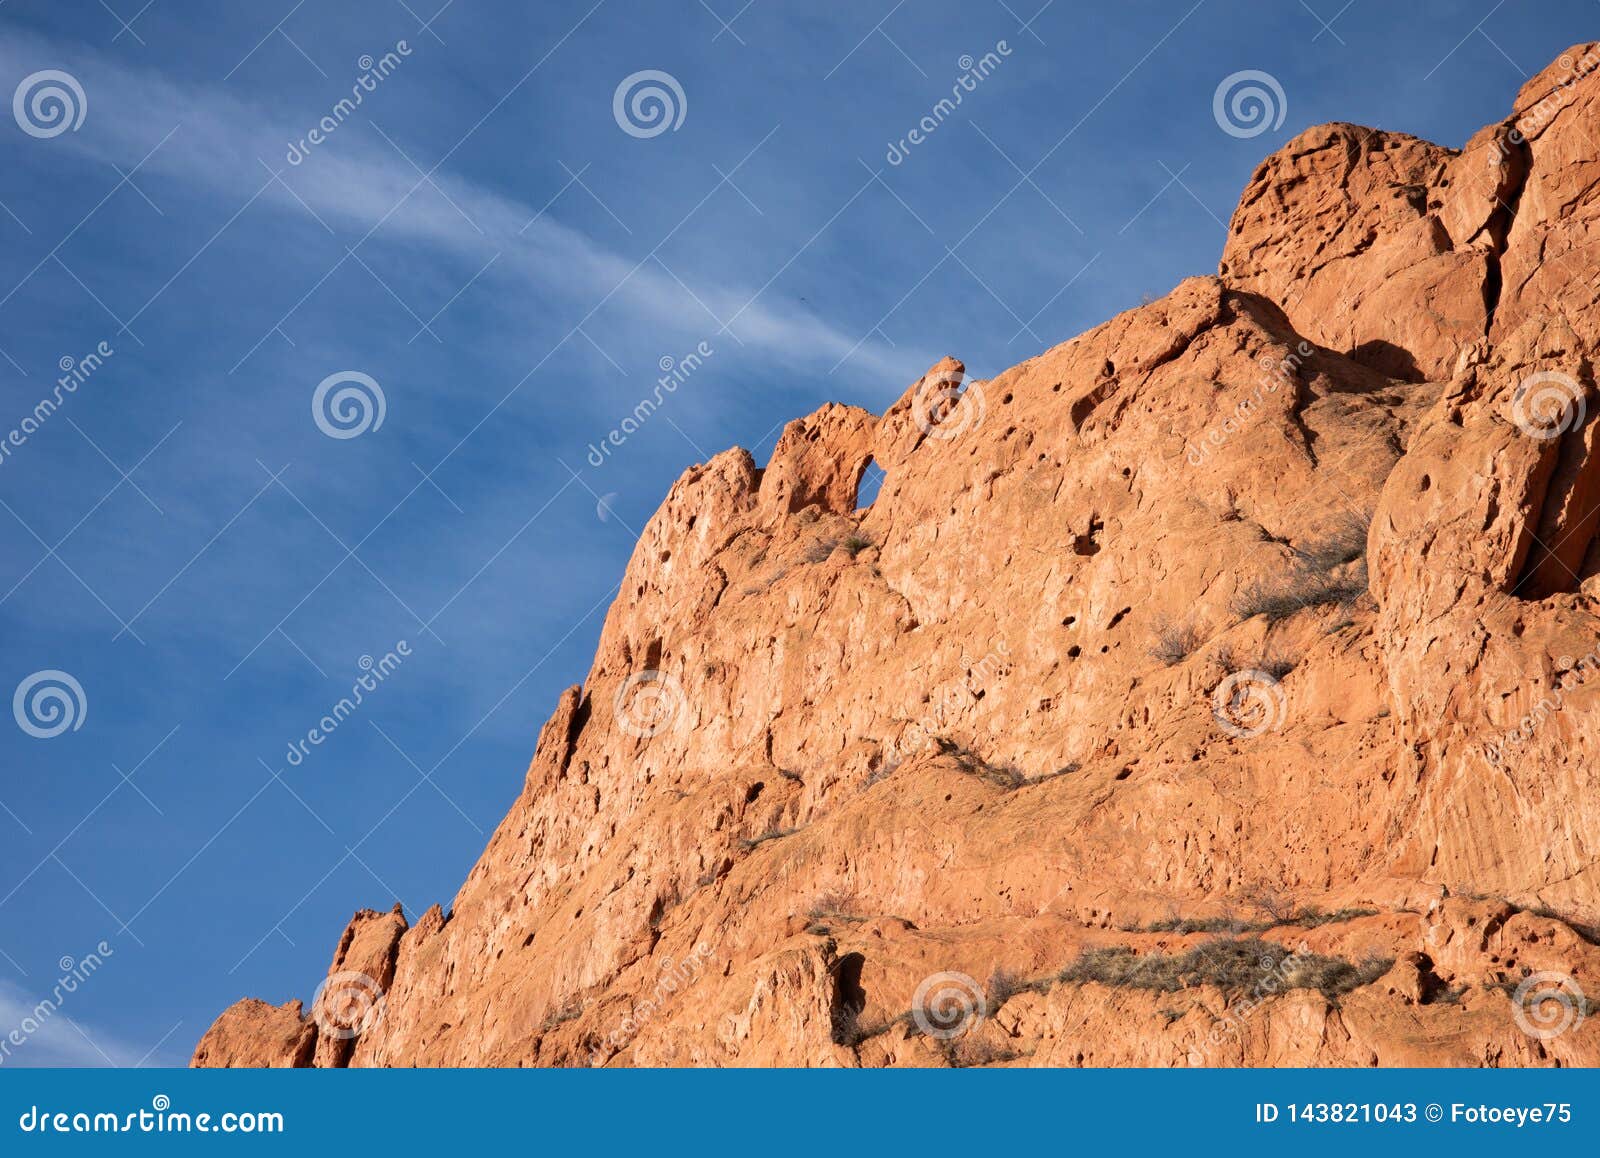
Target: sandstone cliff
point(1213, 688)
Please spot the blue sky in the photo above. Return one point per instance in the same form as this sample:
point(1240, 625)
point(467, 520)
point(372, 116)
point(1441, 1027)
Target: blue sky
point(483, 240)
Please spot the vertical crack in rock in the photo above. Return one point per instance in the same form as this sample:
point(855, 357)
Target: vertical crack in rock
point(1517, 162)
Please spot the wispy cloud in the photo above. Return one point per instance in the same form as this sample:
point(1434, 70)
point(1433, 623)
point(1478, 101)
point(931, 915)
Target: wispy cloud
point(363, 180)
point(52, 1039)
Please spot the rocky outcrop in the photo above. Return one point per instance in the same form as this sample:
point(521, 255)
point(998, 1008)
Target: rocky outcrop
point(1549, 253)
point(1348, 228)
point(349, 1001)
point(253, 1034)
point(1213, 688)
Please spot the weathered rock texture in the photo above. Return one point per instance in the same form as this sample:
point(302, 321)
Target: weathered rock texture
point(1260, 618)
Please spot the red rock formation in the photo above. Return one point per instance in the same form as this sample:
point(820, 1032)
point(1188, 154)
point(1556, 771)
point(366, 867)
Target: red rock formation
point(254, 1034)
point(1213, 688)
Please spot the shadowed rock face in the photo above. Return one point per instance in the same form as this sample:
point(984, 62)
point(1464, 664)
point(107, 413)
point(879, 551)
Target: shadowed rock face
point(1213, 688)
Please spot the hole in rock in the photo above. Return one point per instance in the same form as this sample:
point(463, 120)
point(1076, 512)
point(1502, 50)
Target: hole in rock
point(870, 483)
